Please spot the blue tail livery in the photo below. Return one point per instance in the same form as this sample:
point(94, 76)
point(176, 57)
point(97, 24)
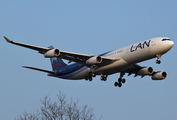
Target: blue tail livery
point(57, 64)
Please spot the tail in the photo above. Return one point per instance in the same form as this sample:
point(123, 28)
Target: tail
point(57, 64)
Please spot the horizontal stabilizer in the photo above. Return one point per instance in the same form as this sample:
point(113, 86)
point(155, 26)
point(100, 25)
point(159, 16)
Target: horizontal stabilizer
point(42, 70)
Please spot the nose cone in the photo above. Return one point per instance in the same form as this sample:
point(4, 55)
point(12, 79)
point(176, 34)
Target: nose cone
point(167, 45)
point(170, 43)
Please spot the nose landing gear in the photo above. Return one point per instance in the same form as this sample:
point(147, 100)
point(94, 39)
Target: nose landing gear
point(158, 61)
point(158, 57)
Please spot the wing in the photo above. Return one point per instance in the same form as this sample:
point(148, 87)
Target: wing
point(143, 71)
point(71, 56)
point(41, 50)
point(82, 58)
point(139, 70)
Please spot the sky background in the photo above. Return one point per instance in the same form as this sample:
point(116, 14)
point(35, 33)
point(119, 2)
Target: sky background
point(89, 27)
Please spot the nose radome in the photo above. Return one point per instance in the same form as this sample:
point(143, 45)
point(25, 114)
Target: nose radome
point(171, 43)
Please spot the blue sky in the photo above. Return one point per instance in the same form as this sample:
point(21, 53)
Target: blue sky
point(89, 27)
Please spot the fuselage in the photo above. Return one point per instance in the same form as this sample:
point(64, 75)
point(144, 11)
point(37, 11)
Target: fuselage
point(125, 57)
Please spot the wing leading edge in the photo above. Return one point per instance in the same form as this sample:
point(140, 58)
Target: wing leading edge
point(71, 56)
point(41, 50)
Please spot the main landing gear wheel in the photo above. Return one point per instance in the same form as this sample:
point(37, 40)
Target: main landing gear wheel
point(158, 61)
point(90, 79)
point(104, 78)
point(123, 80)
point(120, 84)
point(120, 80)
point(117, 84)
point(86, 78)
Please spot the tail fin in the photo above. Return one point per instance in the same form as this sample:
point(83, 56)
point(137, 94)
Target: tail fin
point(56, 64)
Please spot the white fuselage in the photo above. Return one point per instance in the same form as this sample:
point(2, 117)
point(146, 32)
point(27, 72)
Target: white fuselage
point(128, 56)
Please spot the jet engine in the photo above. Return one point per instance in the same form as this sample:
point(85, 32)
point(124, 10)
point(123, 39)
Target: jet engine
point(94, 60)
point(159, 76)
point(52, 53)
point(145, 71)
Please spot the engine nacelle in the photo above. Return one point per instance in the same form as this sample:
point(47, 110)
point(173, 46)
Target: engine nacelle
point(159, 76)
point(94, 60)
point(52, 53)
point(145, 71)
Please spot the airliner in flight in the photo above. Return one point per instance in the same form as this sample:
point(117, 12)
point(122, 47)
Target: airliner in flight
point(121, 61)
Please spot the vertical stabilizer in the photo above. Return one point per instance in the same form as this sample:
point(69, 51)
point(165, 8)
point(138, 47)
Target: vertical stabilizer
point(57, 64)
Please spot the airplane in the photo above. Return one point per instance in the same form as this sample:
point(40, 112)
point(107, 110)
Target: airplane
point(123, 60)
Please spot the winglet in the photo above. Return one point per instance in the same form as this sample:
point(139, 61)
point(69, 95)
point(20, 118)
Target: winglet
point(8, 40)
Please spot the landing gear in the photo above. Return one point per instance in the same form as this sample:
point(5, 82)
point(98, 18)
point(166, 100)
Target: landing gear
point(123, 80)
point(89, 77)
point(93, 75)
point(117, 84)
point(158, 57)
point(103, 77)
point(158, 61)
point(120, 81)
point(120, 84)
point(86, 78)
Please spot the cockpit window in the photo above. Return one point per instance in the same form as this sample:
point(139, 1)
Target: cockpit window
point(165, 39)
